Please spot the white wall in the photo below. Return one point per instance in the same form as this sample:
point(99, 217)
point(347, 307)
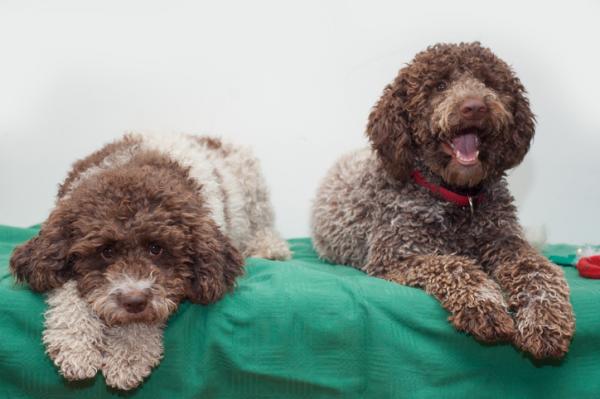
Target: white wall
point(294, 79)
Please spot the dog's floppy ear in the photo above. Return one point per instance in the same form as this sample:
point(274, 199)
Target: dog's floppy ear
point(523, 127)
point(216, 264)
point(388, 129)
point(43, 262)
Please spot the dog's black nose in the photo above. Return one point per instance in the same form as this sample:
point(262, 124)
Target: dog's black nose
point(134, 302)
point(473, 108)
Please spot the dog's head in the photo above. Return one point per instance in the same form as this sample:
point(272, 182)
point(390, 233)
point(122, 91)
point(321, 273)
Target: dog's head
point(137, 240)
point(456, 109)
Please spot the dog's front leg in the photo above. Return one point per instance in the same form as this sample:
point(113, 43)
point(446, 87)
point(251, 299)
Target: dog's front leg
point(73, 335)
point(538, 294)
point(132, 350)
point(474, 300)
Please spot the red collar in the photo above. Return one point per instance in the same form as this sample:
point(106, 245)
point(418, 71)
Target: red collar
point(450, 196)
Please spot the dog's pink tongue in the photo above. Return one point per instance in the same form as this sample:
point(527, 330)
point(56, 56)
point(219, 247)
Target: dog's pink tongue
point(467, 145)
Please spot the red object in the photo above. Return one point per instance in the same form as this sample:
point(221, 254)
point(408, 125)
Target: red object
point(589, 266)
point(451, 196)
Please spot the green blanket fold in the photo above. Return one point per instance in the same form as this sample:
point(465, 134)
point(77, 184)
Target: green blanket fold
point(307, 329)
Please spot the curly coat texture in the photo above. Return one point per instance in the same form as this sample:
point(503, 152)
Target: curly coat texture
point(80, 344)
point(369, 214)
point(139, 226)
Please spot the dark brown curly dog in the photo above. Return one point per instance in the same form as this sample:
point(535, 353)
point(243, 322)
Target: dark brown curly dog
point(428, 205)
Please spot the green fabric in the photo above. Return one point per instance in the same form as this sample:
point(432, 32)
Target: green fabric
point(561, 254)
point(305, 329)
point(566, 254)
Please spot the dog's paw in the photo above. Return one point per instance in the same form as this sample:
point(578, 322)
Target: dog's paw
point(132, 352)
point(78, 365)
point(126, 370)
point(268, 245)
point(487, 321)
point(281, 252)
point(124, 375)
point(545, 328)
point(72, 336)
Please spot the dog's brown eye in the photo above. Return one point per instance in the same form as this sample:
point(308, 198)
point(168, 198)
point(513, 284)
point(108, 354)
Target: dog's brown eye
point(108, 252)
point(155, 249)
point(441, 86)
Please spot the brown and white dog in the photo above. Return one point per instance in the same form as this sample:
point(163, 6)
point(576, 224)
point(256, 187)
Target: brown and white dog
point(139, 226)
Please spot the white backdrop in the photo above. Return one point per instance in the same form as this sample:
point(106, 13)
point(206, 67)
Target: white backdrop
point(296, 80)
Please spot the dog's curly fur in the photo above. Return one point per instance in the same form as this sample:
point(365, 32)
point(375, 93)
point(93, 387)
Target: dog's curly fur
point(80, 344)
point(139, 226)
point(370, 214)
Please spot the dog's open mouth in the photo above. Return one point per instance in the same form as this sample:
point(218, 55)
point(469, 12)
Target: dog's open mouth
point(464, 148)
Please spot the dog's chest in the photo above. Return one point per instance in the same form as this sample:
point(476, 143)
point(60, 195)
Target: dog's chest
point(449, 227)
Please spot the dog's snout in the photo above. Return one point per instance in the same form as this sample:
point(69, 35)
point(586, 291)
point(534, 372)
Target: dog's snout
point(134, 301)
point(473, 108)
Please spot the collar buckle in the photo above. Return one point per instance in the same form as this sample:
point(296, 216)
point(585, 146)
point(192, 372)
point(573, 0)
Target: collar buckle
point(471, 206)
